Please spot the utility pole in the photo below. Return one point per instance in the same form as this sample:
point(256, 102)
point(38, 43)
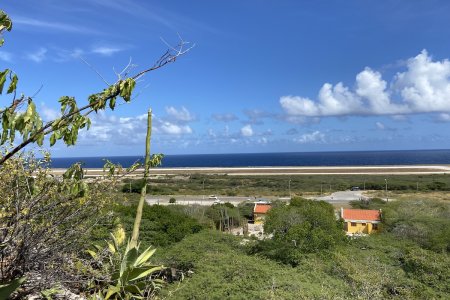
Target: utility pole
point(364, 184)
point(385, 180)
point(290, 195)
point(203, 196)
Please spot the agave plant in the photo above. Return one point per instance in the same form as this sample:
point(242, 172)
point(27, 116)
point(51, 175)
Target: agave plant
point(7, 289)
point(131, 272)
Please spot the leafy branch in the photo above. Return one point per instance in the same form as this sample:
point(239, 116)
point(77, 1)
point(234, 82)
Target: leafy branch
point(29, 124)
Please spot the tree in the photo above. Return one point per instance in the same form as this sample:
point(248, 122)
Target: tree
point(304, 226)
point(22, 117)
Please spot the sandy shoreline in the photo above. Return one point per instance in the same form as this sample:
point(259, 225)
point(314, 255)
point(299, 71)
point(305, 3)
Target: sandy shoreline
point(340, 170)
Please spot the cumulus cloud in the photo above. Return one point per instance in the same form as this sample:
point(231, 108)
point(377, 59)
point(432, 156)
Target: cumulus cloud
point(247, 131)
point(424, 87)
point(227, 117)
point(255, 116)
point(179, 115)
point(174, 129)
point(37, 56)
point(308, 138)
point(128, 130)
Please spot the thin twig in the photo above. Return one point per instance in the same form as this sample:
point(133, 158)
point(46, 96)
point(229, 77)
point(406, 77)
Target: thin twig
point(98, 73)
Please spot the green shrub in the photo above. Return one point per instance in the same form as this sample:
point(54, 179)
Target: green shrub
point(304, 226)
point(426, 223)
point(160, 225)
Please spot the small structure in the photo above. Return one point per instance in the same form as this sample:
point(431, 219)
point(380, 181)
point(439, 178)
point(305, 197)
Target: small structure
point(360, 221)
point(259, 212)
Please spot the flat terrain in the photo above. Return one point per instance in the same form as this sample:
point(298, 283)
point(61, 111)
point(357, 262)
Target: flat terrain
point(346, 170)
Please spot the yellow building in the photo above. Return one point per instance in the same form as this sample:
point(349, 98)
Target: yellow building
point(360, 221)
point(259, 212)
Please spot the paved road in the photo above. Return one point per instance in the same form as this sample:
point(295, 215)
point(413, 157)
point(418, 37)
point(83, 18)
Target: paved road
point(188, 200)
point(342, 196)
point(336, 197)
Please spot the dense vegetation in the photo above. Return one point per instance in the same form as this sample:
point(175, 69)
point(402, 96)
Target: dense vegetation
point(303, 227)
point(259, 186)
point(385, 265)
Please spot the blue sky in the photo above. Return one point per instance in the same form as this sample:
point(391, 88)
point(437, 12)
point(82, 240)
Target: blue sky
point(264, 76)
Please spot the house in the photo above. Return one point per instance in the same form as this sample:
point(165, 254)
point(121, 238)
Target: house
point(259, 212)
point(360, 221)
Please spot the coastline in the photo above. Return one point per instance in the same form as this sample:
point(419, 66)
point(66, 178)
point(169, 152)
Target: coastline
point(251, 171)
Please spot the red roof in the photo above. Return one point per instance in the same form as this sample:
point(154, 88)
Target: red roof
point(361, 214)
point(261, 208)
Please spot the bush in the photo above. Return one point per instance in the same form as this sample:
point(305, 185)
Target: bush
point(426, 223)
point(45, 220)
point(172, 200)
point(304, 226)
point(372, 203)
point(160, 225)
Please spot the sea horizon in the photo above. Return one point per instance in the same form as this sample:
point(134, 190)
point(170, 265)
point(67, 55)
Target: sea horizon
point(275, 159)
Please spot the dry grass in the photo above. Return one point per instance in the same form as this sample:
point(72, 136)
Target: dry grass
point(398, 195)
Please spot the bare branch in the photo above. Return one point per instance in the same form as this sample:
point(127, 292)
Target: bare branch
point(95, 70)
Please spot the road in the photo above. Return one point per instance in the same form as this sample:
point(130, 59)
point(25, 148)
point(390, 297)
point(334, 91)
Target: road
point(342, 196)
point(337, 197)
point(192, 199)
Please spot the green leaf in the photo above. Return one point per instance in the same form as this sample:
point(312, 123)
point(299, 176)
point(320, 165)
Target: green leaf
point(52, 139)
point(126, 88)
point(112, 290)
point(7, 289)
point(129, 257)
point(144, 257)
point(13, 84)
point(147, 272)
point(3, 76)
point(112, 103)
point(93, 254)
point(40, 139)
point(29, 114)
point(115, 244)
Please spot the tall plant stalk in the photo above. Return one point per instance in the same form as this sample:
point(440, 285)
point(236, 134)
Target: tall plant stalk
point(137, 220)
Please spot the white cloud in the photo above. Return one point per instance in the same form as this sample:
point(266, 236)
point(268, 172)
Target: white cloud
point(423, 87)
point(247, 131)
point(129, 130)
point(443, 117)
point(6, 56)
point(380, 125)
point(37, 56)
point(179, 115)
point(55, 26)
point(227, 117)
point(307, 138)
point(49, 114)
point(106, 50)
point(262, 141)
point(173, 129)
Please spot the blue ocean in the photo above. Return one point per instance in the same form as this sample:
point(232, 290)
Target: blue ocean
point(347, 158)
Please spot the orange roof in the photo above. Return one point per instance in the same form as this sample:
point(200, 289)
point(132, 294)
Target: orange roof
point(261, 208)
point(361, 214)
